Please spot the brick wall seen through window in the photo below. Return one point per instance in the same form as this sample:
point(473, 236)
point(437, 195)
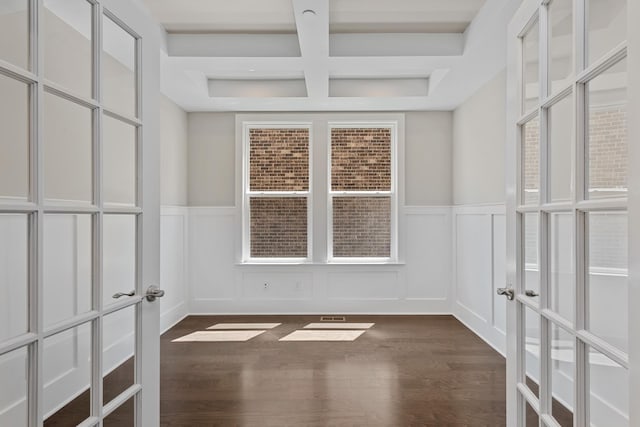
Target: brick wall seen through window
point(361, 162)
point(278, 163)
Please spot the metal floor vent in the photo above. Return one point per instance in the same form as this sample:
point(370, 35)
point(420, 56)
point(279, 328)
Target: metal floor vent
point(332, 318)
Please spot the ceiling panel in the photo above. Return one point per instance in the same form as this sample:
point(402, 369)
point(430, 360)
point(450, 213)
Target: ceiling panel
point(346, 16)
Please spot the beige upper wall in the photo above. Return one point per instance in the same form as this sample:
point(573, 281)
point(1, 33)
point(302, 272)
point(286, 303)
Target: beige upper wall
point(428, 155)
point(427, 159)
point(479, 137)
point(173, 154)
point(211, 159)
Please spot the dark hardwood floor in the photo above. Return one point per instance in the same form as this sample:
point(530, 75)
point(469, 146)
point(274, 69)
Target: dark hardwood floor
point(405, 371)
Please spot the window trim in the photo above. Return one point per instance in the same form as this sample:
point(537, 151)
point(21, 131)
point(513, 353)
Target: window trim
point(392, 193)
point(247, 193)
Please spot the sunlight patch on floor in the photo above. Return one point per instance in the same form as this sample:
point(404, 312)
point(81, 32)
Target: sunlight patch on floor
point(219, 336)
point(244, 326)
point(309, 335)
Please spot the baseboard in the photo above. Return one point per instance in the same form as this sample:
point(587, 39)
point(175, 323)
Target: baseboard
point(173, 316)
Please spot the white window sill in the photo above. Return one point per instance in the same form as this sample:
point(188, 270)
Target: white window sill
point(328, 263)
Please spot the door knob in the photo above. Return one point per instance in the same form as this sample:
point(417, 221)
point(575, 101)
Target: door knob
point(154, 292)
point(124, 294)
point(508, 292)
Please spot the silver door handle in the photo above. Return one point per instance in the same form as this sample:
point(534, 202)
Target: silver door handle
point(531, 293)
point(508, 292)
point(154, 292)
point(124, 294)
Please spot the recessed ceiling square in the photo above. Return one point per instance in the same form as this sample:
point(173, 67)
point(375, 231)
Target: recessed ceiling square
point(378, 87)
point(257, 88)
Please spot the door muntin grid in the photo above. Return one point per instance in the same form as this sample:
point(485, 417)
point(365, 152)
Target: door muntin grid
point(31, 340)
point(587, 348)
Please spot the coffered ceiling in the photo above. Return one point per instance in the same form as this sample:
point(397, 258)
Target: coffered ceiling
point(339, 55)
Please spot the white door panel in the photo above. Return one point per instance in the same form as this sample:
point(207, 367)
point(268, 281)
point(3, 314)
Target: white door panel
point(79, 212)
point(570, 195)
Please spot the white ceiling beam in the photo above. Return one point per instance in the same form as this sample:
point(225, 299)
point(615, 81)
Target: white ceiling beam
point(312, 23)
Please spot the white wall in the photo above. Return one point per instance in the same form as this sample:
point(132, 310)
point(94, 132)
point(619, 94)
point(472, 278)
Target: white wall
point(419, 284)
point(220, 285)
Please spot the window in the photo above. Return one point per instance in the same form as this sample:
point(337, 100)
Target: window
point(344, 188)
point(362, 192)
point(276, 192)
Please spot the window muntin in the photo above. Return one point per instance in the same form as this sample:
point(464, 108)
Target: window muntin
point(362, 192)
point(277, 192)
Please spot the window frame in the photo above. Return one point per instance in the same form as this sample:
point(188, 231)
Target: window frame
point(247, 194)
point(392, 125)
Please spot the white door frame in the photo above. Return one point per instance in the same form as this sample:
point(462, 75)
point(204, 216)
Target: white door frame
point(634, 206)
point(515, 328)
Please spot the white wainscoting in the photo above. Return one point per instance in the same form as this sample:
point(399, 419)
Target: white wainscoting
point(174, 231)
point(478, 256)
point(418, 284)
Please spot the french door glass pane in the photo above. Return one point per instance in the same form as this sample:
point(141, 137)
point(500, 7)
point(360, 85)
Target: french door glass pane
point(608, 391)
point(123, 416)
point(362, 227)
point(119, 162)
point(532, 350)
point(67, 44)
point(531, 266)
point(13, 393)
point(530, 67)
point(608, 138)
point(562, 367)
point(118, 349)
point(560, 153)
point(14, 143)
point(531, 162)
point(118, 68)
point(67, 241)
point(67, 370)
point(561, 274)
point(14, 32)
point(67, 150)
point(278, 227)
point(606, 26)
point(608, 287)
point(118, 256)
point(14, 276)
point(560, 44)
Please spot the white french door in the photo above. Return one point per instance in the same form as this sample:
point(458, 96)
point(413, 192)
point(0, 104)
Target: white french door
point(572, 344)
point(79, 214)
